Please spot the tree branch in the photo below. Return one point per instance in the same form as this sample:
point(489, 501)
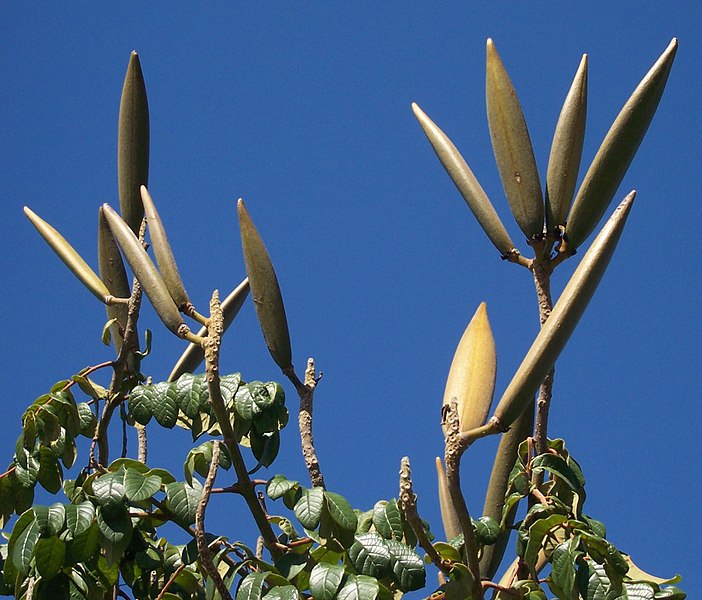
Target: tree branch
point(205, 556)
point(306, 393)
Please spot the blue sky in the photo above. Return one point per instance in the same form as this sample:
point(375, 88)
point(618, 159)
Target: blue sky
point(304, 111)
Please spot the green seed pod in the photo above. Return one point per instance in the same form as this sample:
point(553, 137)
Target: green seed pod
point(617, 151)
point(467, 184)
point(265, 291)
point(69, 256)
point(555, 333)
point(133, 144)
point(505, 459)
point(512, 147)
point(114, 276)
point(144, 270)
point(162, 249)
point(471, 378)
point(194, 354)
point(452, 526)
point(566, 150)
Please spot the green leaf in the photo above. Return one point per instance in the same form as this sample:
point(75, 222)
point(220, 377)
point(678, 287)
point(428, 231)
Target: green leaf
point(109, 488)
point(265, 291)
point(251, 587)
point(191, 394)
point(387, 520)
point(278, 485)
point(617, 151)
point(26, 469)
point(265, 448)
point(325, 580)
point(141, 403)
point(637, 591)
point(461, 175)
point(79, 517)
point(84, 545)
point(557, 467)
point(537, 533)
point(563, 562)
point(512, 146)
point(133, 144)
point(593, 581)
point(370, 555)
point(114, 523)
point(50, 518)
point(359, 587)
point(182, 499)
point(49, 554)
point(50, 474)
point(21, 547)
point(140, 487)
point(555, 333)
point(566, 150)
point(165, 407)
point(285, 525)
point(487, 530)
point(407, 566)
point(340, 511)
point(283, 592)
point(88, 420)
point(308, 508)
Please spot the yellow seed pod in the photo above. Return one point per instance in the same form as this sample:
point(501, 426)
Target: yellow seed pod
point(471, 379)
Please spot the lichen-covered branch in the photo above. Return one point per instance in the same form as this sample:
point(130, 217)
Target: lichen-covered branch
point(203, 549)
point(306, 393)
point(408, 505)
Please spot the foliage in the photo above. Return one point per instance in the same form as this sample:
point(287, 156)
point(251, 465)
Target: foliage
point(108, 536)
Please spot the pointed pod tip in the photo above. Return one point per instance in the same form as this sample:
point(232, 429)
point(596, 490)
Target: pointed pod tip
point(27, 211)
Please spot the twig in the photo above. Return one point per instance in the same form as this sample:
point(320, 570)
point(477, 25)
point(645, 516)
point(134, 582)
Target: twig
point(306, 393)
point(170, 581)
point(141, 442)
point(542, 280)
point(408, 505)
point(452, 459)
point(244, 484)
point(205, 556)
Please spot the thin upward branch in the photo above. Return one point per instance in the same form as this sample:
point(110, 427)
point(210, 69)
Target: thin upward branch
point(306, 393)
point(452, 459)
point(205, 555)
point(245, 486)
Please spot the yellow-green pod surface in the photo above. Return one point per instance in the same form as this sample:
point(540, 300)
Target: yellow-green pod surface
point(69, 256)
point(133, 144)
point(144, 270)
point(265, 291)
point(617, 151)
point(512, 147)
point(469, 187)
point(471, 378)
point(566, 150)
point(162, 249)
point(556, 331)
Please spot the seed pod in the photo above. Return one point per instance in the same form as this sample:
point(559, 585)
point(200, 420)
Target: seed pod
point(566, 150)
point(114, 276)
point(162, 249)
point(194, 354)
point(505, 459)
point(133, 144)
point(565, 316)
point(144, 270)
point(452, 526)
point(471, 378)
point(617, 151)
point(69, 256)
point(265, 291)
point(467, 184)
point(512, 147)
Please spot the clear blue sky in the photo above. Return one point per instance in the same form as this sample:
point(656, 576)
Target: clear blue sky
point(304, 110)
